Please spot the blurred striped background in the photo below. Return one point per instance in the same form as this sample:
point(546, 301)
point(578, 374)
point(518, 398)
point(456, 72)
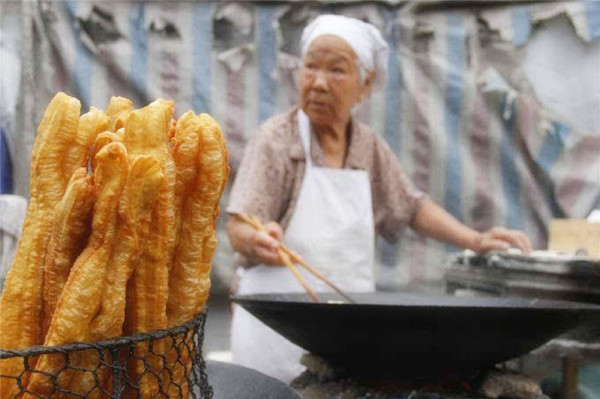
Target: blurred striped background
point(458, 107)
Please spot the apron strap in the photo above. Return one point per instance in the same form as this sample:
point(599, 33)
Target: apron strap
point(304, 128)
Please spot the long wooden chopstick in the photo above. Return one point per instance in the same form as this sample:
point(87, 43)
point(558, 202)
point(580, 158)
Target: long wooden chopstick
point(298, 259)
point(254, 222)
point(288, 262)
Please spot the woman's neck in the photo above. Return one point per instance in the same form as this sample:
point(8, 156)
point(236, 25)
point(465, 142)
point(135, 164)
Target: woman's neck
point(333, 139)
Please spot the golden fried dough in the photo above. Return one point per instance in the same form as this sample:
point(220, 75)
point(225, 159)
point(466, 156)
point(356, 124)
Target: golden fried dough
point(90, 125)
point(125, 250)
point(72, 223)
point(81, 297)
point(189, 280)
point(22, 297)
point(118, 111)
point(201, 183)
point(186, 145)
point(147, 132)
point(137, 201)
point(61, 118)
point(103, 139)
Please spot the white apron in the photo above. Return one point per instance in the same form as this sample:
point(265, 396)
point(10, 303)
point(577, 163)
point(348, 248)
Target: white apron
point(332, 229)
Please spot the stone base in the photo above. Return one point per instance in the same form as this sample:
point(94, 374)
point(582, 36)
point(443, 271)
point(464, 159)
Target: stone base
point(321, 380)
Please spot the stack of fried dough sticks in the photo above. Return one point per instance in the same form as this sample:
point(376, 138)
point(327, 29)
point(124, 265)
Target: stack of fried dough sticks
point(118, 239)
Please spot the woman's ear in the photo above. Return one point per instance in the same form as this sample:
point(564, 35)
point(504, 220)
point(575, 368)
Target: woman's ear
point(367, 85)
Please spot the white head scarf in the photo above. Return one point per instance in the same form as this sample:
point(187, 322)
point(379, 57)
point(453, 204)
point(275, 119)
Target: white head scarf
point(364, 38)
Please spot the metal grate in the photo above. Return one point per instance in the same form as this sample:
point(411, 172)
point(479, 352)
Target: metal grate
point(159, 364)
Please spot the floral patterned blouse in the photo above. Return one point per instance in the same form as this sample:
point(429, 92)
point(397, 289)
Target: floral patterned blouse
point(270, 175)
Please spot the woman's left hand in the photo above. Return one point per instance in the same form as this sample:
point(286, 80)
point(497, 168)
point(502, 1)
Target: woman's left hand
point(501, 238)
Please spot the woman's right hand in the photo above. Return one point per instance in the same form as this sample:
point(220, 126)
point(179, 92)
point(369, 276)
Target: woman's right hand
point(263, 247)
point(258, 246)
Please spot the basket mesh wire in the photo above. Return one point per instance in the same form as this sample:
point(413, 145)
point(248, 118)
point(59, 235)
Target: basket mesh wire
point(159, 364)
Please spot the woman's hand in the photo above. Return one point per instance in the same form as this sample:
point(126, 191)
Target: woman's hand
point(501, 238)
point(435, 222)
point(263, 247)
point(258, 246)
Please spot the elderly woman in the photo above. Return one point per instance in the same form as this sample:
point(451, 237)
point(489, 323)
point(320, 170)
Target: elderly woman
point(325, 184)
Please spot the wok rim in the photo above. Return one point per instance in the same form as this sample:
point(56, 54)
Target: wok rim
point(475, 303)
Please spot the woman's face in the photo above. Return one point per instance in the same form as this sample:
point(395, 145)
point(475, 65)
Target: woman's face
point(330, 83)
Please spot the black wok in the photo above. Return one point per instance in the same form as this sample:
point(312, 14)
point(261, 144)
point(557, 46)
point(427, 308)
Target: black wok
point(415, 334)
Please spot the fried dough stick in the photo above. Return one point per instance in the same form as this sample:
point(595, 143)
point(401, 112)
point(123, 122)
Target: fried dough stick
point(138, 200)
point(147, 132)
point(186, 145)
point(118, 111)
point(214, 152)
point(103, 139)
point(21, 301)
point(81, 297)
point(137, 203)
point(72, 219)
point(77, 155)
point(189, 281)
point(72, 215)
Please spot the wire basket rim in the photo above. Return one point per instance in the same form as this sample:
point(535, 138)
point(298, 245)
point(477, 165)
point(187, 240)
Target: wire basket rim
point(109, 343)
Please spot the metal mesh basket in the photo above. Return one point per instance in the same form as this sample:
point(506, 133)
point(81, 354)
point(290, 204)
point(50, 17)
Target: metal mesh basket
point(159, 364)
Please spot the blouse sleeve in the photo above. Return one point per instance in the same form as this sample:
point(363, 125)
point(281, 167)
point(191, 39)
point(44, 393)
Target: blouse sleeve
point(259, 186)
point(396, 199)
